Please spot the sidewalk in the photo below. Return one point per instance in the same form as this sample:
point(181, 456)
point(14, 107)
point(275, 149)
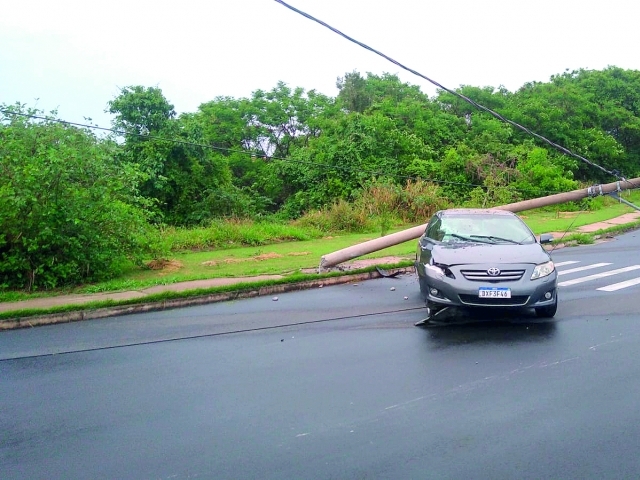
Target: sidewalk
point(594, 227)
point(78, 299)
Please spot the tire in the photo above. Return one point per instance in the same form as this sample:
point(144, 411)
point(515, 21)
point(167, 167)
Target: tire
point(549, 311)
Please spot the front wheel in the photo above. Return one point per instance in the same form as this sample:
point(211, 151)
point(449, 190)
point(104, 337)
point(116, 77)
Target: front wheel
point(549, 311)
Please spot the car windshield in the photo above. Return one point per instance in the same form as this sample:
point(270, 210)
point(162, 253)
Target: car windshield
point(481, 228)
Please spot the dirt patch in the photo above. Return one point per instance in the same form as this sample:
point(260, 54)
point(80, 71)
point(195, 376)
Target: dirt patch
point(231, 260)
point(165, 265)
point(298, 254)
point(569, 214)
point(267, 256)
point(236, 260)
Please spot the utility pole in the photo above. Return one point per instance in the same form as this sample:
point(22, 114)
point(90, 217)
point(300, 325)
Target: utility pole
point(371, 246)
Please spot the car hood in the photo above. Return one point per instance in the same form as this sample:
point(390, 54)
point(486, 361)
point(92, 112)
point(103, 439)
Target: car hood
point(461, 254)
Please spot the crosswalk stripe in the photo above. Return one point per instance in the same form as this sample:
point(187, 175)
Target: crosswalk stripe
point(621, 285)
point(598, 275)
point(568, 262)
point(581, 269)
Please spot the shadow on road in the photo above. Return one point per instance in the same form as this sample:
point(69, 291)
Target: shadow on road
point(464, 327)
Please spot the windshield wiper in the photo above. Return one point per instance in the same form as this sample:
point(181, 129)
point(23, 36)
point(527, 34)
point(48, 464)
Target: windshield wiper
point(468, 239)
point(500, 239)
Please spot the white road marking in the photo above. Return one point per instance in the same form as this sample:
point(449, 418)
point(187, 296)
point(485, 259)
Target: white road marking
point(568, 262)
point(621, 285)
point(598, 275)
point(582, 269)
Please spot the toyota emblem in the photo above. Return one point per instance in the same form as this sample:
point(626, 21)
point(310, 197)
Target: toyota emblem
point(493, 271)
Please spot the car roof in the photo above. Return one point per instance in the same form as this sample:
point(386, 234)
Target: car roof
point(474, 211)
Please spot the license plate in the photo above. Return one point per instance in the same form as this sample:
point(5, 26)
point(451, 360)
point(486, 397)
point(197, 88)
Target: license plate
point(494, 292)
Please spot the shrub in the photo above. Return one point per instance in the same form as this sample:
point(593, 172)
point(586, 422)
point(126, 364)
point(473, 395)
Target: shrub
point(233, 233)
point(340, 216)
point(68, 211)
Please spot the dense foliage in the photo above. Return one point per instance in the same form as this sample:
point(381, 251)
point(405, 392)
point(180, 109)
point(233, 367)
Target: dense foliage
point(74, 206)
point(288, 151)
point(68, 209)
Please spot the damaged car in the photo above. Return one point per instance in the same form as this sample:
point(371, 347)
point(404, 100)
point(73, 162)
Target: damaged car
point(485, 258)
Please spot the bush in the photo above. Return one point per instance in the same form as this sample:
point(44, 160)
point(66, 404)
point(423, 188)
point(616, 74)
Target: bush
point(340, 216)
point(234, 233)
point(67, 210)
point(413, 203)
point(381, 205)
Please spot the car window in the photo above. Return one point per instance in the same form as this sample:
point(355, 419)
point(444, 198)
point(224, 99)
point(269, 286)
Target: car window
point(511, 228)
point(434, 230)
point(498, 228)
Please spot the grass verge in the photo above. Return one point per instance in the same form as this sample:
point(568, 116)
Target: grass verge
point(293, 280)
point(589, 238)
point(289, 257)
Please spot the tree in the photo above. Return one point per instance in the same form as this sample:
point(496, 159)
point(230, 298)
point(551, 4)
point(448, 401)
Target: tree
point(141, 111)
point(353, 92)
point(351, 151)
point(541, 176)
point(282, 119)
point(183, 174)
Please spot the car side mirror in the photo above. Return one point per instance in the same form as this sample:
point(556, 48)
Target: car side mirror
point(546, 238)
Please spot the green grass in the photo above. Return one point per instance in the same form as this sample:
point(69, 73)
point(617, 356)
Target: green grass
point(542, 222)
point(578, 239)
point(289, 257)
point(229, 234)
point(548, 220)
point(169, 295)
point(286, 258)
point(281, 258)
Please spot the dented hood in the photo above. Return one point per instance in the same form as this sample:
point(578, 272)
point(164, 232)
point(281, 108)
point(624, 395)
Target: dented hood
point(471, 253)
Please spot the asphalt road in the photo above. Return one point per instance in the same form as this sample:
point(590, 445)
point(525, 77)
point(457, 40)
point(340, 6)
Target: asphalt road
point(336, 383)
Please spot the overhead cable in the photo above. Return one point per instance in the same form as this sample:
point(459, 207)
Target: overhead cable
point(457, 94)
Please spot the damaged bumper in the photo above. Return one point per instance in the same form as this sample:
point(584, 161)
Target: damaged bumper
point(473, 286)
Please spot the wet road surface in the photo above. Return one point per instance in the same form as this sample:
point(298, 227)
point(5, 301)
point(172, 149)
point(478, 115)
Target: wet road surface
point(351, 389)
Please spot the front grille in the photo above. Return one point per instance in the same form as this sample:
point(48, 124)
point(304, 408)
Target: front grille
point(515, 301)
point(483, 276)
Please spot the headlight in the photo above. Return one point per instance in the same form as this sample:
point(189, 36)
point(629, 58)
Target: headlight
point(543, 270)
point(439, 270)
point(435, 269)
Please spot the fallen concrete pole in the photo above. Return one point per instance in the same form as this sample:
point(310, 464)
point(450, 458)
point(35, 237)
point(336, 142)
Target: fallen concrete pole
point(374, 245)
point(572, 196)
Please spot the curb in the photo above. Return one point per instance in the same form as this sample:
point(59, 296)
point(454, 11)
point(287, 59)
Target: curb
point(95, 314)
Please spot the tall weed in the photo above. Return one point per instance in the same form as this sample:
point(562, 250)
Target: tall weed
point(340, 216)
point(415, 202)
point(234, 233)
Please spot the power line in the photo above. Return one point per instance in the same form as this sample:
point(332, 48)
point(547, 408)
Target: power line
point(243, 152)
point(209, 335)
point(453, 92)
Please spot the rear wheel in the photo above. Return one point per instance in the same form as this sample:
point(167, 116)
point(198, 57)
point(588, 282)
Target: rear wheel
point(549, 311)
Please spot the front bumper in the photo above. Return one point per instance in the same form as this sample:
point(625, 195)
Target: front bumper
point(462, 292)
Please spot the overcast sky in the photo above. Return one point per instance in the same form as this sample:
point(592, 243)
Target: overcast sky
point(74, 55)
